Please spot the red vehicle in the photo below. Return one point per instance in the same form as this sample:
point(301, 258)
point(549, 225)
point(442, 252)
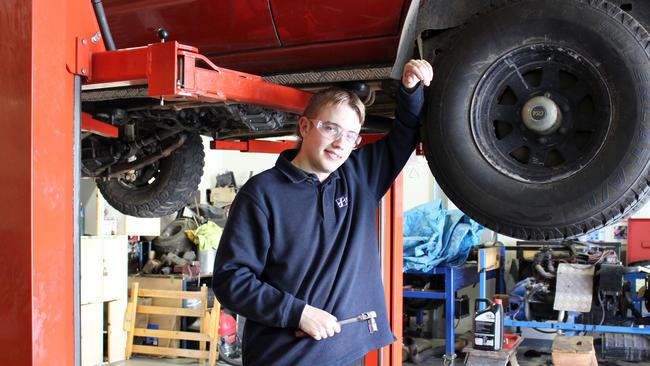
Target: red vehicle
point(537, 125)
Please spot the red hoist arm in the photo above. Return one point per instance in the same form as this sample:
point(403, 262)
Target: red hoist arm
point(175, 72)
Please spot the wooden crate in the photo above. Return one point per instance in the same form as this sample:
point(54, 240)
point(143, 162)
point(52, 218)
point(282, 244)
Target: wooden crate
point(208, 332)
point(574, 351)
point(164, 322)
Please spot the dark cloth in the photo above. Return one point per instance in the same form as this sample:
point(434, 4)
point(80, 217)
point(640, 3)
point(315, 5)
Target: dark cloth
point(291, 240)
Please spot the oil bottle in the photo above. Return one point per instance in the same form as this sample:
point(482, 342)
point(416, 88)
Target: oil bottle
point(488, 325)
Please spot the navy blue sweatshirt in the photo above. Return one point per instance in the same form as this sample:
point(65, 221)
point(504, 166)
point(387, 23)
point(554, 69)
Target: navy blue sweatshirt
point(291, 240)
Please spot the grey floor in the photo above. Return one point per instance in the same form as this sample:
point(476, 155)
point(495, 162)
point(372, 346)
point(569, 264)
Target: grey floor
point(151, 361)
point(528, 354)
point(429, 357)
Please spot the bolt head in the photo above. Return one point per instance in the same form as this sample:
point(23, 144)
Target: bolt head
point(83, 41)
point(83, 70)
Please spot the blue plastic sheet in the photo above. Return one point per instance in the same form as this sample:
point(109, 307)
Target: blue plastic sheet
point(436, 237)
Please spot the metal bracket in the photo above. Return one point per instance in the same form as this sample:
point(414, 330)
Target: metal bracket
point(84, 48)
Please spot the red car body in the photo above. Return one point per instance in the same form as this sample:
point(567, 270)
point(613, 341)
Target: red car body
point(267, 36)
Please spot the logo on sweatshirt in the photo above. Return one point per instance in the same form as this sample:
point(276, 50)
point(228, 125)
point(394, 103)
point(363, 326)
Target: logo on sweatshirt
point(342, 202)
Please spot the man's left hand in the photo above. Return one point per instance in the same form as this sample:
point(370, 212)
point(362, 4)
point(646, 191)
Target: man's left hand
point(416, 71)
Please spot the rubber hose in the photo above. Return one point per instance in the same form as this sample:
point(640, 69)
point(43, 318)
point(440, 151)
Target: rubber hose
point(103, 25)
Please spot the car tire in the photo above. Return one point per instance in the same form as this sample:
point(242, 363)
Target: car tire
point(172, 238)
point(588, 164)
point(177, 177)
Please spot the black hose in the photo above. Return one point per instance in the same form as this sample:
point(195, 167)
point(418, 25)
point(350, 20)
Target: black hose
point(545, 331)
point(103, 25)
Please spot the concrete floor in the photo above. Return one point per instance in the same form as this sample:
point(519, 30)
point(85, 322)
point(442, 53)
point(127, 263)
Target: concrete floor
point(532, 353)
point(429, 357)
point(138, 360)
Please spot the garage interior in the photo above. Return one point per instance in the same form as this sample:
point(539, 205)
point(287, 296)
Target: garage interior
point(517, 233)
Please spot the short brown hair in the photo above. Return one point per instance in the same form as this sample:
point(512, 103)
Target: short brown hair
point(331, 97)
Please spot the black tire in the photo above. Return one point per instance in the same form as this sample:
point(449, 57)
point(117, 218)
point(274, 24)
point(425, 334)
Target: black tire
point(599, 170)
point(176, 178)
point(173, 239)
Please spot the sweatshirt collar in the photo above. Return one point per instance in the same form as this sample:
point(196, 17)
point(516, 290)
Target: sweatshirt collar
point(295, 174)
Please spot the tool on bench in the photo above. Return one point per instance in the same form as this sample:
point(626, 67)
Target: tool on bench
point(368, 316)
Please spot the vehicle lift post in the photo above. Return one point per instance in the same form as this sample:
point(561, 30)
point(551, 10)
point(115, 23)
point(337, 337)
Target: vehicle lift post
point(40, 304)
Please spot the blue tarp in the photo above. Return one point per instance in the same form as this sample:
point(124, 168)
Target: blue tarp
point(436, 237)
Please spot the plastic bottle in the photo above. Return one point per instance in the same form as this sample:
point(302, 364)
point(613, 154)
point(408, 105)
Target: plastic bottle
point(488, 325)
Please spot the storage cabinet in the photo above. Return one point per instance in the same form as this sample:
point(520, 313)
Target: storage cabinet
point(92, 348)
point(104, 262)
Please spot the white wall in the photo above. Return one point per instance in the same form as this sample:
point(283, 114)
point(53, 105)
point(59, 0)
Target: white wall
point(241, 164)
point(418, 182)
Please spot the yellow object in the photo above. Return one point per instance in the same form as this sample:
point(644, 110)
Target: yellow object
point(206, 236)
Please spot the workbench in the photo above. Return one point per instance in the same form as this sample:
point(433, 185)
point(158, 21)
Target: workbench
point(455, 278)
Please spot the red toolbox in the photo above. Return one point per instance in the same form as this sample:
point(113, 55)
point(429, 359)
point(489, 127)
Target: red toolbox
point(638, 240)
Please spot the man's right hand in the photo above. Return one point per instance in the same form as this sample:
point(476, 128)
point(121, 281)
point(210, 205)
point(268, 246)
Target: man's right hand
point(318, 324)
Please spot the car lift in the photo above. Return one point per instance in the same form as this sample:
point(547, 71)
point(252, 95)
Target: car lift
point(49, 50)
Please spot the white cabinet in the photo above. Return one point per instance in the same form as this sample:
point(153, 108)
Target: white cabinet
point(115, 268)
point(104, 267)
point(92, 348)
point(115, 328)
point(92, 269)
point(104, 276)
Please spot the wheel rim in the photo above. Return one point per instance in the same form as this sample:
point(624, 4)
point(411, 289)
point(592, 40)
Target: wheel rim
point(540, 113)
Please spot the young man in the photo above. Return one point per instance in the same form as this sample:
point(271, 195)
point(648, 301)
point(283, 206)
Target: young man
point(299, 250)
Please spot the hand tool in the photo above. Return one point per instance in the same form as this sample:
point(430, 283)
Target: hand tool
point(368, 317)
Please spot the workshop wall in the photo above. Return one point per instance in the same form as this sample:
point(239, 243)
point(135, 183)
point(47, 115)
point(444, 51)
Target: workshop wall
point(419, 185)
point(241, 164)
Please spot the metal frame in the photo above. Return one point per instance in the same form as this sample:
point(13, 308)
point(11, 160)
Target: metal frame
point(571, 327)
point(455, 279)
point(271, 147)
point(508, 322)
point(38, 104)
